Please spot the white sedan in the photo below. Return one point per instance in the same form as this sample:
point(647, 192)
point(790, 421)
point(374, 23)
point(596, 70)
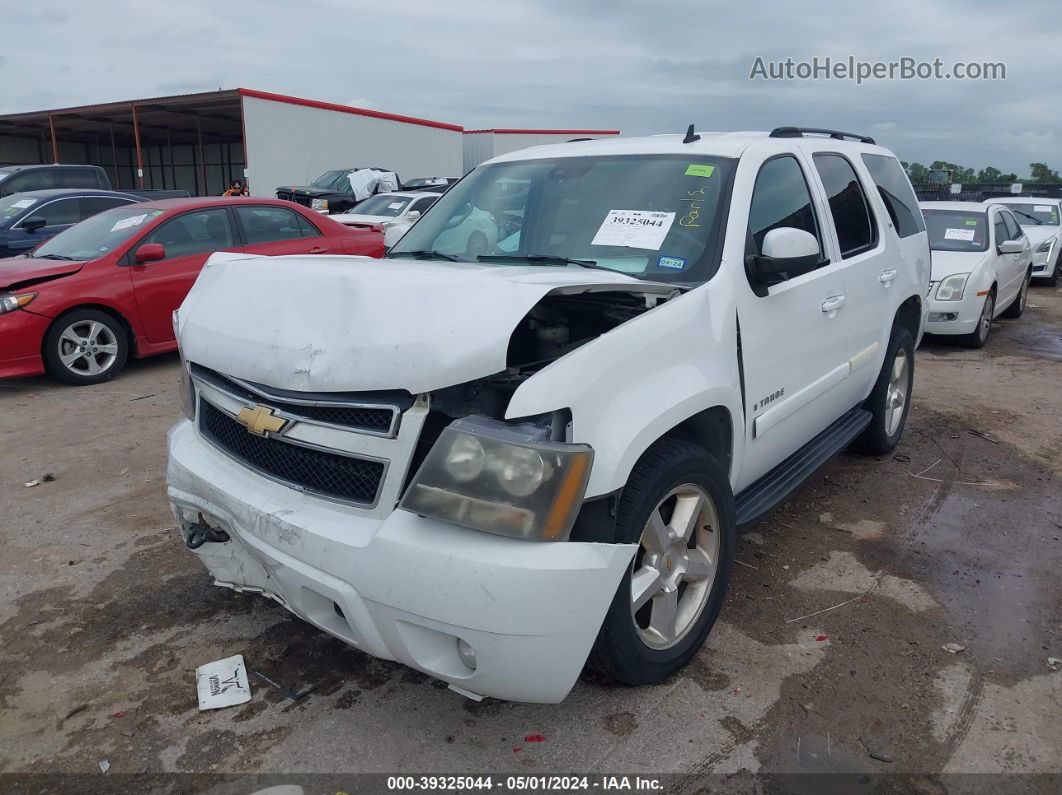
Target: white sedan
point(389, 210)
point(982, 264)
point(1041, 220)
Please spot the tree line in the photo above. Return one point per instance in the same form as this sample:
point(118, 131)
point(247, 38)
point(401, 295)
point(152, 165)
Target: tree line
point(1039, 174)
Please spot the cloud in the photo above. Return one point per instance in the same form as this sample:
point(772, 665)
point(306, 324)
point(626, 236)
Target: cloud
point(644, 68)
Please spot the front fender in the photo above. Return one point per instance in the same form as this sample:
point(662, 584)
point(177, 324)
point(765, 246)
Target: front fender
point(630, 386)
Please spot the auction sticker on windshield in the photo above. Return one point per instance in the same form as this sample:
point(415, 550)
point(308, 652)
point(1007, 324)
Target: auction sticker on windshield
point(125, 223)
point(22, 203)
point(959, 234)
point(643, 229)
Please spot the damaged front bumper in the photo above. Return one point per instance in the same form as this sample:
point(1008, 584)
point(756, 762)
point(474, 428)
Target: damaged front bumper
point(492, 616)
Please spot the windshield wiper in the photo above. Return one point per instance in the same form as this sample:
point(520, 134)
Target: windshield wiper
point(57, 256)
point(1032, 218)
point(424, 254)
point(545, 259)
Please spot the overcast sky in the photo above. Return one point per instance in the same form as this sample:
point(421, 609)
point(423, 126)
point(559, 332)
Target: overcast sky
point(642, 67)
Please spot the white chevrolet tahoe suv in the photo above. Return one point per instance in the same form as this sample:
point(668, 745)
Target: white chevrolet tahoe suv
point(498, 471)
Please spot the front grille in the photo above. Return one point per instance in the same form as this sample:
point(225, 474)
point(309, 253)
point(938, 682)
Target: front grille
point(371, 419)
point(287, 195)
point(339, 476)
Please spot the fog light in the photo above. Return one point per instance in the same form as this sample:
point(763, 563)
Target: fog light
point(468, 656)
point(941, 317)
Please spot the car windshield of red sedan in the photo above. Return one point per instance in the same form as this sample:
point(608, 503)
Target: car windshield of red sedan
point(97, 235)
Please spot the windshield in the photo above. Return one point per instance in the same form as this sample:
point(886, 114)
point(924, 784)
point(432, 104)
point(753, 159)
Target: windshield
point(1034, 214)
point(97, 235)
point(954, 230)
point(13, 206)
point(655, 217)
point(384, 204)
point(327, 179)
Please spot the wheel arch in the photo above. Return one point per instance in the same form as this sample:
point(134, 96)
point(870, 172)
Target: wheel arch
point(711, 429)
point(126, 324)
point(909, 316)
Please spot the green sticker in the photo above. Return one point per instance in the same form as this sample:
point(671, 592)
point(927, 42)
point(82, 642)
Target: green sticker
point(971, 222)
point(156, 212)
point(699, 170)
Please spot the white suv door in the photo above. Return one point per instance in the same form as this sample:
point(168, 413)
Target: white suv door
point(868, 262)
point(793, 342)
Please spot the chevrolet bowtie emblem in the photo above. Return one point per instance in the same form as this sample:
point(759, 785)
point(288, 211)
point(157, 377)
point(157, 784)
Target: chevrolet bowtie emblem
point(259, 420)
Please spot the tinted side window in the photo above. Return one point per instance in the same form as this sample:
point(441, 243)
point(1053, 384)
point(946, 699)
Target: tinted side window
point(57, 213)
point(895, 190)
point(90, 205)
point(856, 231)
point(306, 228)
point(266, 224)
point(33, 180)
point(76, 178)
point(192, 233)
point(780, 198)
point(1000, 228)
point(1012, 225)
point(423, 204)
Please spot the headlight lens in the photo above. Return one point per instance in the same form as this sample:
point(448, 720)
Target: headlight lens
point(186, 387)
point(503, 479)
point(11, 302)
point(321, 205)
point(1045, 247)
point(951, 287)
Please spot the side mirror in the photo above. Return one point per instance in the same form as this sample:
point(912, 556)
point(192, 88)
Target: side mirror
point(33, 223)
point(1011, 246)
point(150, 252)
point(413, 215)
point(787, 252)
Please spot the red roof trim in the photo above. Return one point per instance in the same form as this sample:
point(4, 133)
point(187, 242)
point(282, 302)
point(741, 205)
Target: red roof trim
point(312, 103)
point(544, 132)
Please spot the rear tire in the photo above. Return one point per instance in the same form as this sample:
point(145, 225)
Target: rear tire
point(1017, 306)
point(890, 400)
point(678, 507)
point(979, 336)
point(85, 346)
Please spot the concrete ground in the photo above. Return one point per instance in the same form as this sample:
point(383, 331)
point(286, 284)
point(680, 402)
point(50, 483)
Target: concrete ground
point(954, 539)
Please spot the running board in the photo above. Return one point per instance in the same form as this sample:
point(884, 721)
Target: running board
point(770, 490)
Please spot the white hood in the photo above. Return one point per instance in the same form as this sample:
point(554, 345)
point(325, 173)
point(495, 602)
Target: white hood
point(946, 263)
point(329, 324)
point(1038, 234)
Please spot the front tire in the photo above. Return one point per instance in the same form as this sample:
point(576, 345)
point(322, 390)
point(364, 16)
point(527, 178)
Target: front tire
point(85, 346)
point(890, 400)
point(678, 507)
point(979, 336)
point(1017, 306)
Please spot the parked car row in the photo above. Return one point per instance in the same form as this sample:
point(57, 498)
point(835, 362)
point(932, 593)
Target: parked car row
point(984, 257)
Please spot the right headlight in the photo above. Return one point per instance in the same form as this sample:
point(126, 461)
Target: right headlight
point(503, 479)
point(951, 287)
point(1045, 247)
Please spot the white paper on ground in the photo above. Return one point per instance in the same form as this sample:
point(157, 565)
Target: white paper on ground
point(645, 229)
point(222, 683)
point(959, 234)
point(135, 220)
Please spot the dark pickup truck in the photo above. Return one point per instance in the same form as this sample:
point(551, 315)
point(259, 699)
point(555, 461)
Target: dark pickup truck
point(19, 179)
point(332, 192)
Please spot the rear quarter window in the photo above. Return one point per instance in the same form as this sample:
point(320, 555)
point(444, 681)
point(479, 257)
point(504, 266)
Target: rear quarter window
point(896, 192)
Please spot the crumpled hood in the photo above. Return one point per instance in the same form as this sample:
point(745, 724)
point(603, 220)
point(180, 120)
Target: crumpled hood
point(946, 263)
point(328, 324)
point(20, 270)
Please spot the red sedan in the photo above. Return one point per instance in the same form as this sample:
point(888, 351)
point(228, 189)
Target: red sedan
point(106, 288)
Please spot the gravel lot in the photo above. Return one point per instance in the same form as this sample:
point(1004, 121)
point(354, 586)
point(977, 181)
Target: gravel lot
point(104, 614)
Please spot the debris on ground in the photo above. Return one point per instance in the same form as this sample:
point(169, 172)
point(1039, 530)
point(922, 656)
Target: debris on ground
point(880, 756)
point(284, 691)
point(1054, 663)
point(534, 738)
point(821, 638)
point(222, 683)
point(47, 477)
point(953, 648)
point(104, 765)
point(29, 484)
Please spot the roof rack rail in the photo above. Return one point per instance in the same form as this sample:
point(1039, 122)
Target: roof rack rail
point(800, 132)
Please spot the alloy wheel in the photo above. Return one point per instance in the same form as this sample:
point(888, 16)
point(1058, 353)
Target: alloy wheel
point(896, 394)
point(985, 323)
point(675, 566)
point(88, 347)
